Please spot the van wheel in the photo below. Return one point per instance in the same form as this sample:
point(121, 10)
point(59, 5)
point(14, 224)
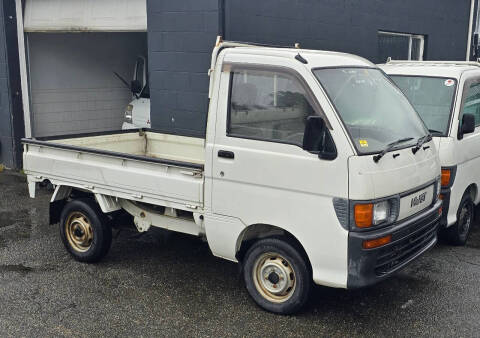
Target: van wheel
point(458, 233)
point(276, 276)
point(85, 231)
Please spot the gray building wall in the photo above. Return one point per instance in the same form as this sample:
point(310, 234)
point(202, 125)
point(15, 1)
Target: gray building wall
point(181, 35)
point(351, 25)
point(6, 134)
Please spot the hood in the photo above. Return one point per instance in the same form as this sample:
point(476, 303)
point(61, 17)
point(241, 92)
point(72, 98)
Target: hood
point(392, 176)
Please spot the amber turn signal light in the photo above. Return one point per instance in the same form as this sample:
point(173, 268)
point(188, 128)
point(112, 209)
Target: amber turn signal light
point(446, 176)
point(364, 215)
point(378, 242)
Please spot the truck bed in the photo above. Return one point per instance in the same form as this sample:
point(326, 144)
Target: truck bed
point(144, 166)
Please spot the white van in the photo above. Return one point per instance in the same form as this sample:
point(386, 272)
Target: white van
point(137, 113)
point(447, 97)
point(306, 174)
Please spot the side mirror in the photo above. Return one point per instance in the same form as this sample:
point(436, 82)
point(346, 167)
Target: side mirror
point(317, 139)
point(467, 125)
point(136, 87)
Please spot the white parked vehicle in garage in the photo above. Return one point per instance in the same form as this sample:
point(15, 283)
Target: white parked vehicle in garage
point(306, 174)
point(447, 97)
point(137, 113)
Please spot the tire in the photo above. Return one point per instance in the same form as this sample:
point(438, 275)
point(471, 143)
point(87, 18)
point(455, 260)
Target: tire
point(274, 263)
point(458, 233)
point(85, 232)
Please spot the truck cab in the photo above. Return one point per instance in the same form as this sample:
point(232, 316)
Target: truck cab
point(137, 112)
point(447, 97)
point(315, 168)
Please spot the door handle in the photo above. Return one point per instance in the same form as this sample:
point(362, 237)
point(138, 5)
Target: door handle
point(226, 154)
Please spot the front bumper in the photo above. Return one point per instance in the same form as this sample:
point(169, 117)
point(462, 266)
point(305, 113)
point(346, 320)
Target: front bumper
point(410, 239)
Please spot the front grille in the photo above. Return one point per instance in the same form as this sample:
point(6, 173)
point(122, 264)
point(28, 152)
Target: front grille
point(409, 244)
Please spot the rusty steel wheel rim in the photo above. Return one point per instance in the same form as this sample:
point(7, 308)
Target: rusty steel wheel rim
point(274, 277)
point(79, 232)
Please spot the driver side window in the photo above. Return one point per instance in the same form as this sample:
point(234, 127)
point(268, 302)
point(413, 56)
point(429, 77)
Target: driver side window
point(268, 105)
point(472, 103)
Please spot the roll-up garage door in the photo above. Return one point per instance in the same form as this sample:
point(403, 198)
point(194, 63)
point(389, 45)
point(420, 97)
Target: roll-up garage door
point(85, 16)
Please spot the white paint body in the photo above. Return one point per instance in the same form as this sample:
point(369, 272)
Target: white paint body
point(140, 115)
point(267, 183)
point(464, 153)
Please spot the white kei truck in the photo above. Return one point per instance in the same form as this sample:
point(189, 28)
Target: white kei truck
point(447, 97)
point(315, 168)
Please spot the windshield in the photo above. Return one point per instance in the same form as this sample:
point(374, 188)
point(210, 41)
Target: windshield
point(432, 97)
point(374, 111)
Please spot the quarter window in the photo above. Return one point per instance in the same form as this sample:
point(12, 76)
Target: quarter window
point(268, 105)
point(472, 103)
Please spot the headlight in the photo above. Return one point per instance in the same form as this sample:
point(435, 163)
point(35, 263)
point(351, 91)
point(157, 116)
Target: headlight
point(372, 214)
point(381, 212)
point(129, 114)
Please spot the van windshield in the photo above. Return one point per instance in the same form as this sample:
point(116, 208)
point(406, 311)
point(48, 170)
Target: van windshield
point(374, 111)
point(432, 97)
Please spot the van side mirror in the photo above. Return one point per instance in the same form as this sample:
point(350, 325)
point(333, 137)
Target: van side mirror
point(467, 125)
point(318, 140)
point(136, 87)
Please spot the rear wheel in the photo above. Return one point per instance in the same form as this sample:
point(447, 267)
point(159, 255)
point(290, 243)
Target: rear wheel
point(276, 276)
point(458, 233)
point(85, 232)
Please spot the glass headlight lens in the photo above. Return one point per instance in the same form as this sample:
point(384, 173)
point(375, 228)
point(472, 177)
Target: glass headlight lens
point(381, 212)
point(129, 114)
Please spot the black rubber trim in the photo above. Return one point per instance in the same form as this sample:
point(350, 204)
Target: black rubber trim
point(362, 263)
point(446, 192)
point(112, 153)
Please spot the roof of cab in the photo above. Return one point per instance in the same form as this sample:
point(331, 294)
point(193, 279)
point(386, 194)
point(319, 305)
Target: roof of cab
point(451, 69)
point(315, 58)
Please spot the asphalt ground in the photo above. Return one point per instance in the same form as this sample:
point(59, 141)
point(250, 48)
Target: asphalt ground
point(164, 284)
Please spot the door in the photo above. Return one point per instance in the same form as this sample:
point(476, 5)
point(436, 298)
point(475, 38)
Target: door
point(262, 175)
point(469, 146)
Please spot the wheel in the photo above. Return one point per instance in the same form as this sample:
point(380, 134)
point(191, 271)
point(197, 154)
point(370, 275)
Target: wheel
point(458, 233)
point(277, 276)
point(86, 234)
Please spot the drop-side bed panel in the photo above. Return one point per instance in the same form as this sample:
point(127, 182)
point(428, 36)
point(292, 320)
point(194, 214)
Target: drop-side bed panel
point(130, 176)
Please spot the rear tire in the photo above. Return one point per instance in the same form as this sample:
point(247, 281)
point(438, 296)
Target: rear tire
point(277, 276)
point(85, 232)
point(458, 233)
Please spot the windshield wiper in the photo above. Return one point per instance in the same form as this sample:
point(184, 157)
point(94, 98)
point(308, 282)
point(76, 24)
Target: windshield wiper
point(390, 147)
point(421, 141)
